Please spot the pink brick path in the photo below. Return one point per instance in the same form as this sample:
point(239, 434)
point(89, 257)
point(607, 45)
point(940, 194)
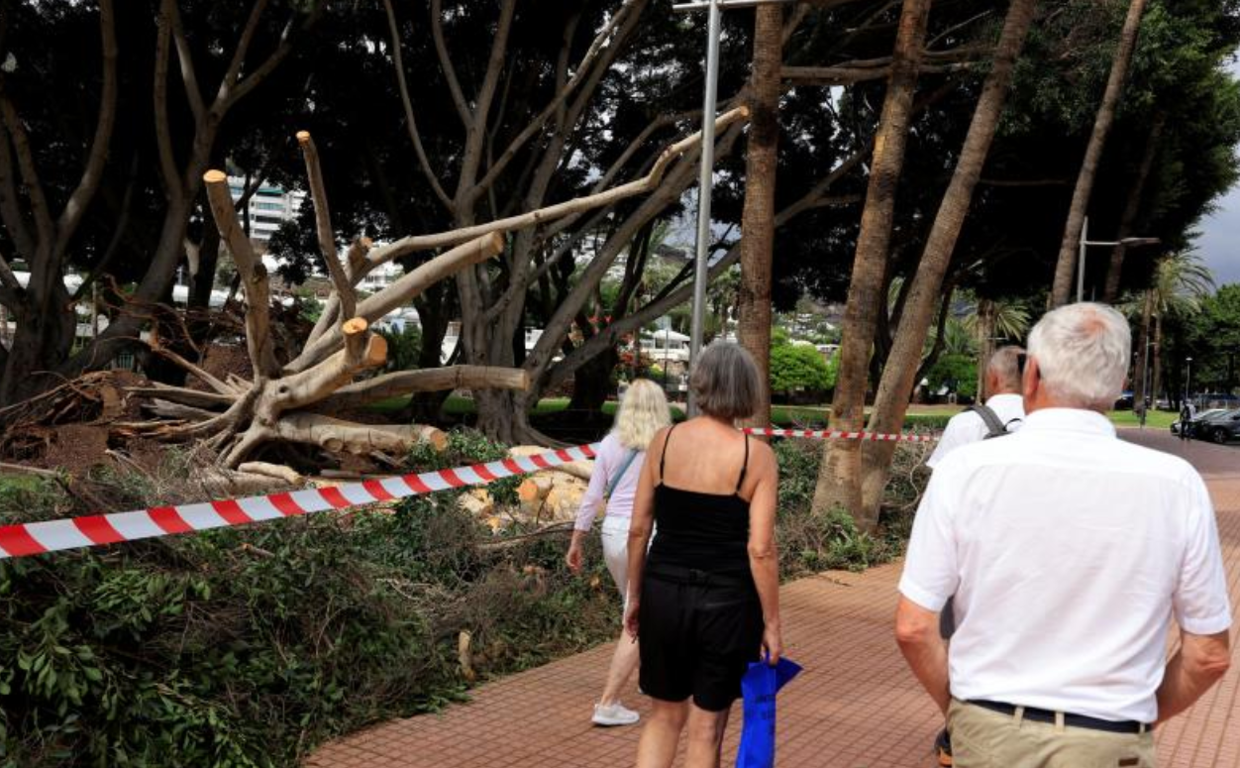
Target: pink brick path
point(856, 705)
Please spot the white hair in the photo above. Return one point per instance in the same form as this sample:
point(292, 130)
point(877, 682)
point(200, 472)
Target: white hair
point(643, 412)
point(1082, 352)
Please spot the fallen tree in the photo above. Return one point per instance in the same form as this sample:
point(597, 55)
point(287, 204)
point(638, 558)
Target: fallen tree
point(300, 401)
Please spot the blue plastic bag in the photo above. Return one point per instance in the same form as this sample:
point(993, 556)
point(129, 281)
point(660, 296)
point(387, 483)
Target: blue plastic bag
point(758, 689)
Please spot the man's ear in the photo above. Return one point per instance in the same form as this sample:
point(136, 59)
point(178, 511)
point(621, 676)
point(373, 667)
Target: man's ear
point(1032, 380)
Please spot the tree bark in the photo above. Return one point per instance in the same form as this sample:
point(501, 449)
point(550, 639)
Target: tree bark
point(1135, 194)
point(758, 216)
point(839, 477)
point(1061, 289)
point(892, 399)
point(1157, 353)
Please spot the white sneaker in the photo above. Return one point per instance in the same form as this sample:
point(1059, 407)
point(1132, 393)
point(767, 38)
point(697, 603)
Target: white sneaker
point(614, 714)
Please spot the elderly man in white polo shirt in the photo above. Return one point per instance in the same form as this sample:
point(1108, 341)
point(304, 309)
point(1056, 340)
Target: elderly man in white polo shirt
point(1003, 401)
point(1068, 552)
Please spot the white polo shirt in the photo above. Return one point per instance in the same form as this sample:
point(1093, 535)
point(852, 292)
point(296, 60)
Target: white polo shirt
point(1067, 551)
point(968, 427)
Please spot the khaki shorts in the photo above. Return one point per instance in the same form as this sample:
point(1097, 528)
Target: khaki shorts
point(982, 738)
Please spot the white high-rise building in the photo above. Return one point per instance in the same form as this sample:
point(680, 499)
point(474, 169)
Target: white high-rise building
point(269, 207)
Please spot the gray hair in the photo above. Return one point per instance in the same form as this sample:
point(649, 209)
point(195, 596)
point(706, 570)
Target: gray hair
point(1004, 365)
point(1082, 352)
point(725, 382)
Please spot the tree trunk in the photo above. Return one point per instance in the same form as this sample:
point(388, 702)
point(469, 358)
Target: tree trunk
point(758, 218)
point(592, 382)
point(839, 477)
point(1061, 289)
point(892, 398)
point(1133, 207)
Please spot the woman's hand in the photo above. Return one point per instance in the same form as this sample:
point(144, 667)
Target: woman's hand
point(575, 555)
point(630, 619)
point(772, 643)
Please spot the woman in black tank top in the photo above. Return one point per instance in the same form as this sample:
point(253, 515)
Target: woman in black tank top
point(705, 599)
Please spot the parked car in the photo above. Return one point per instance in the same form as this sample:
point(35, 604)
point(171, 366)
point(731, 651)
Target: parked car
point(1201, 418)
point(1219, 429)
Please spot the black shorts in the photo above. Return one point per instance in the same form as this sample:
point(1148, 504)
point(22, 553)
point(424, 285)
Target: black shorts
point(697, 639)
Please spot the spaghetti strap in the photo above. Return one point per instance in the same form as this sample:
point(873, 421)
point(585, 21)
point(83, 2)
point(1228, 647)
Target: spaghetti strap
point(663, 455)
point(744, 467)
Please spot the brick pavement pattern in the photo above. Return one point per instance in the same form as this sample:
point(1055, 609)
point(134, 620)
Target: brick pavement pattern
point(855, 706)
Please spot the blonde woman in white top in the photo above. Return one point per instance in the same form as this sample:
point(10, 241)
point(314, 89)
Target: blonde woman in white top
point(643, 412)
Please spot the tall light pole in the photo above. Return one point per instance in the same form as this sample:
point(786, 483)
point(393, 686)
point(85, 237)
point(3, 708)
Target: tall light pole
point(706, 176)
point(1129, 242)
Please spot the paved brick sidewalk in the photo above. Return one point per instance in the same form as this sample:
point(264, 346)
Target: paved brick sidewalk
point(856, 705)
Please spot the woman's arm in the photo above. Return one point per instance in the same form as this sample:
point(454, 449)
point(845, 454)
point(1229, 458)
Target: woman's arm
point(589, 505)
point(640, 529)
point(763, 556)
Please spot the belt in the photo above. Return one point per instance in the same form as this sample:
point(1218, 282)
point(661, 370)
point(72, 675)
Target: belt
point(1076, 721)
point(697, 578)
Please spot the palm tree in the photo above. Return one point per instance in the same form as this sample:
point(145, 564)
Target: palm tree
point(1181, 282)
point(991, 321)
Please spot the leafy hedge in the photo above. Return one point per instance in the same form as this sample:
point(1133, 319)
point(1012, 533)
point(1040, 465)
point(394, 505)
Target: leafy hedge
point(249, 646)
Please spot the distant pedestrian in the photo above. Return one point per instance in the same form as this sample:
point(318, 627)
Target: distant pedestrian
point(1068, 552)
point(707, 598)
point(1187, 414)
point(642, 413)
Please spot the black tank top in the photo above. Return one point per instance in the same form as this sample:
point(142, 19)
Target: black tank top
point(703, 531)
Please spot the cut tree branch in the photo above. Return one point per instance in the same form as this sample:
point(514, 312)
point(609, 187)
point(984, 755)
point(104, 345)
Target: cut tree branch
point(323, 221)
point(253, 275)
point(404, 383)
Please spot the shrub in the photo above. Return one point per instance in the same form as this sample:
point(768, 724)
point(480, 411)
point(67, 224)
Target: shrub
point(797, 368)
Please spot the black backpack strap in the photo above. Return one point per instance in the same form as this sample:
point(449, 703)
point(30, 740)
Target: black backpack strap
point(994, 427)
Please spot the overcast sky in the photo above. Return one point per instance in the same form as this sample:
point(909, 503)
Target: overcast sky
point(1219, 243)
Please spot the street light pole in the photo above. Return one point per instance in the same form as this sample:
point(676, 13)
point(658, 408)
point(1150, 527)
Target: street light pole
point(706, 176)
point(1188, 383)
point(1080, 262)
point(1085, 241)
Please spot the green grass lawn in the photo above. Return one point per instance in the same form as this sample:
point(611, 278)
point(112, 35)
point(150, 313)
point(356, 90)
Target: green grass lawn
point(1153, 420)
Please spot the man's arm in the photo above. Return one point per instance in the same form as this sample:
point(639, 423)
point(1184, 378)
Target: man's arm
point(917, 632)
point(1200, 663)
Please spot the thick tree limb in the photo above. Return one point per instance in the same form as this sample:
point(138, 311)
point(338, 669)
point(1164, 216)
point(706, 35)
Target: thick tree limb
point(342, 436)
point(186, 60)
point(253, 275)
point(44, 225)
point(196, 370)
point(403, 290)
point(323, 220)
point(194, 397)
point(410, 123)
point(583, 69)
point(10, 208)
point(81, 196)
point(402, 383)
point(647, 183)
point(233, 75)
point(173, 184)
point(445, 62)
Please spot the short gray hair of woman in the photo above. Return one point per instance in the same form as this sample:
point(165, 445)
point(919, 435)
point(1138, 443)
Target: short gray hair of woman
point(725, 382)
point(1082, 352)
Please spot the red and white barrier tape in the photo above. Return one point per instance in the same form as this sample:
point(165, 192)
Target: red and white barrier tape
point(71, 533)
point(836, 434)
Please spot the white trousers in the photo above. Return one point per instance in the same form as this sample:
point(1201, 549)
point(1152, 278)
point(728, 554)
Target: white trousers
point(616, 552)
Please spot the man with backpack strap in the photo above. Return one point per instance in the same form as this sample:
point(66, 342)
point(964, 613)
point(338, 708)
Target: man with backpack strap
point(1002, 414)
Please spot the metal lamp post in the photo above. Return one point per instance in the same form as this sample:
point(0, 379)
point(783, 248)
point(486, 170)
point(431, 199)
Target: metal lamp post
point(1085, 241)
point(706, 176)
